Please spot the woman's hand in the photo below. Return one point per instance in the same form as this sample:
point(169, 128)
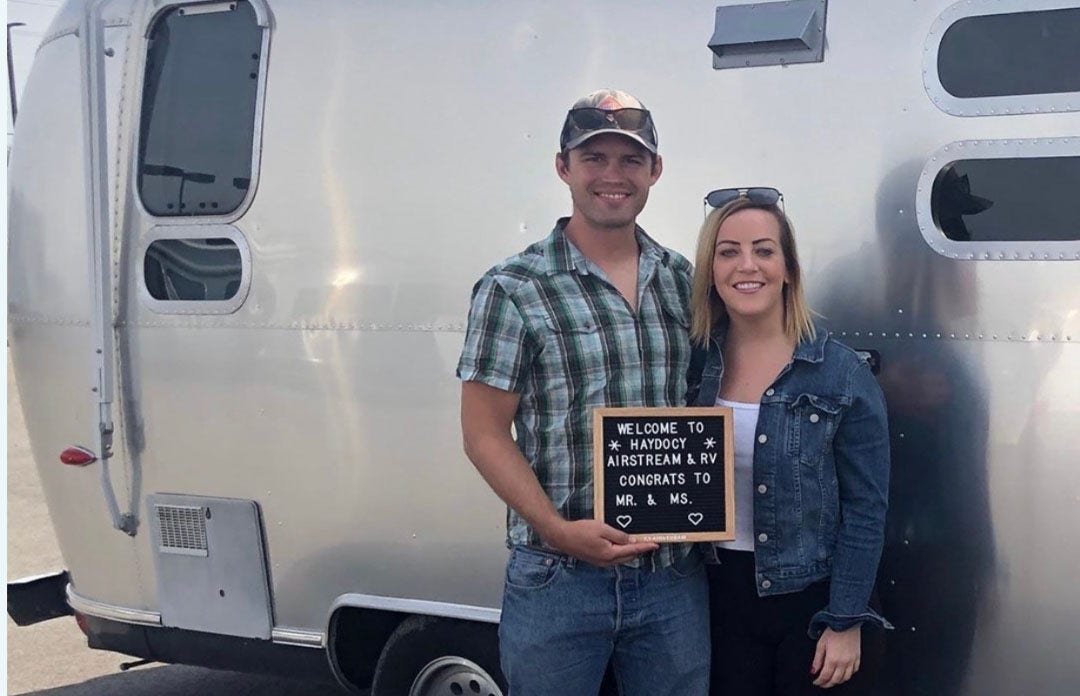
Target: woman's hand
point(837, 656)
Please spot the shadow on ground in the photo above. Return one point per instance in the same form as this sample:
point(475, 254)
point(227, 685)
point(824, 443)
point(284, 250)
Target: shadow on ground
point(178, 680)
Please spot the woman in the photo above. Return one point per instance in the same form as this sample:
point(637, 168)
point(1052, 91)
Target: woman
point(791, 594)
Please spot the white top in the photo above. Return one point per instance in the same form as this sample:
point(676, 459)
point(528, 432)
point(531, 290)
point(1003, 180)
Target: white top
point(745, 427)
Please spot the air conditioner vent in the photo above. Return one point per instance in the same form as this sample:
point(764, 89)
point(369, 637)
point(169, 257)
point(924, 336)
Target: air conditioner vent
point(183, 529)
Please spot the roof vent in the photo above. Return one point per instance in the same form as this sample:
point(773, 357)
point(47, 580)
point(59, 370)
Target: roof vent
point(770, 33)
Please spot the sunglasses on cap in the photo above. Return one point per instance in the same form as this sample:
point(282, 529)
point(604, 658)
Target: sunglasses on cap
point(585, 120)
point(589, 118)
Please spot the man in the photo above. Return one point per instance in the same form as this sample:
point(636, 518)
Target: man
point(594, 315)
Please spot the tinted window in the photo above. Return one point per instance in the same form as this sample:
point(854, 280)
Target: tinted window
point(198, 111)
point(1009, 200)
point(1012, 54)
point(192, 269)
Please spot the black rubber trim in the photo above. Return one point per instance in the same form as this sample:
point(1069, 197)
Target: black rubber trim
point(179, 646)
point(38, 600)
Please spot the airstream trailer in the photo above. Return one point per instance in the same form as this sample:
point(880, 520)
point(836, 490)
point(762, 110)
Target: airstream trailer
point(243, 236)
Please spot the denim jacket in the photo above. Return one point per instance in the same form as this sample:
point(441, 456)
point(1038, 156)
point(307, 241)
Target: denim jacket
point(821, 475)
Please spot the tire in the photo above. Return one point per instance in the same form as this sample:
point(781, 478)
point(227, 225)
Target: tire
point(429, 656)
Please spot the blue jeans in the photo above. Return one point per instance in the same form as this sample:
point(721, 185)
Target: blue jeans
point(563, 620)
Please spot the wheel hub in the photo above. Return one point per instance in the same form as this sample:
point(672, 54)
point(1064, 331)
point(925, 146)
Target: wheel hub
point(454, 676)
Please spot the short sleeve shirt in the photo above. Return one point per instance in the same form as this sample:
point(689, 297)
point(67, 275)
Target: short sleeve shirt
point(548, 325)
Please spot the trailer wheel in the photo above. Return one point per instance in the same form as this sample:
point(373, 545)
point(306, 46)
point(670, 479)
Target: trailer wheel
point(429, 656)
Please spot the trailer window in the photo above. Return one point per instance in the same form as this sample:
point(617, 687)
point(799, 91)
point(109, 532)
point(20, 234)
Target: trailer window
point(197, 131)
point(200, 270)
point(1012, 199)
point(1021, 53)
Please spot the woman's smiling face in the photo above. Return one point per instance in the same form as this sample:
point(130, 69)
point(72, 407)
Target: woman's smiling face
point(749, 270)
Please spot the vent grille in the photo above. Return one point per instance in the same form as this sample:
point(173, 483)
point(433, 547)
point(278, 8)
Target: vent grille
point(183, 529)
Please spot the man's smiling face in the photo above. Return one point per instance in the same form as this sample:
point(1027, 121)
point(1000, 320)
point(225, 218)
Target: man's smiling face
point(609, 178)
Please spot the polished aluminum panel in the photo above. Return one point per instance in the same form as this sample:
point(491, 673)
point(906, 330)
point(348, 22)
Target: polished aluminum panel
point(406, 149)
point(49, 308)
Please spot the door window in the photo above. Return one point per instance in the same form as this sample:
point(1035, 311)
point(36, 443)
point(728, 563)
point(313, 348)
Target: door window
point(199, 109)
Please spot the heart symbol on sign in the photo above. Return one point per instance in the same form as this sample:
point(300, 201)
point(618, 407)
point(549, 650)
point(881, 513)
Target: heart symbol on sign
point(695, 518)
point(624, 520)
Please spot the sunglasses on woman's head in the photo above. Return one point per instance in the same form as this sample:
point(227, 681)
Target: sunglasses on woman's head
point(758, 195)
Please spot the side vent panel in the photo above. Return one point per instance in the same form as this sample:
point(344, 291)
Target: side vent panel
point(211, 564)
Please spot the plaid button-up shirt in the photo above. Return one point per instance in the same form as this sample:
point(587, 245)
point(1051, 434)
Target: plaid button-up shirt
point(547, 324)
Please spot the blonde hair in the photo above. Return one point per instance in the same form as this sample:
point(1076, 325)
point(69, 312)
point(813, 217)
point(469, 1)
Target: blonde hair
point(707, 309)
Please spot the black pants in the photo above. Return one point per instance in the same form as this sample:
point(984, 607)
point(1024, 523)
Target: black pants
point(760, 644)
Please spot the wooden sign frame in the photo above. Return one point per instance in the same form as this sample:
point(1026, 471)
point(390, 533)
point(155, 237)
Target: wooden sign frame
point(682, 415)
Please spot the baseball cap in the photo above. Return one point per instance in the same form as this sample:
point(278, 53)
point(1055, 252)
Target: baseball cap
point(608, 111)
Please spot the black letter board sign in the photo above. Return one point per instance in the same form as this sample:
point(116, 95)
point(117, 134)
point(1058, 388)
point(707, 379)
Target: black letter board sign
point(665, 474)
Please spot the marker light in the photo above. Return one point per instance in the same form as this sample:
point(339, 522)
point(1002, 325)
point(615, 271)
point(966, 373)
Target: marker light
point(80, 621)
point(77, 456)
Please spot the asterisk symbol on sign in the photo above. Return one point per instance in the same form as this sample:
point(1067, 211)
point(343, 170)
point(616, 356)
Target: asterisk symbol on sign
point(614, 445)
point(710, 443)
